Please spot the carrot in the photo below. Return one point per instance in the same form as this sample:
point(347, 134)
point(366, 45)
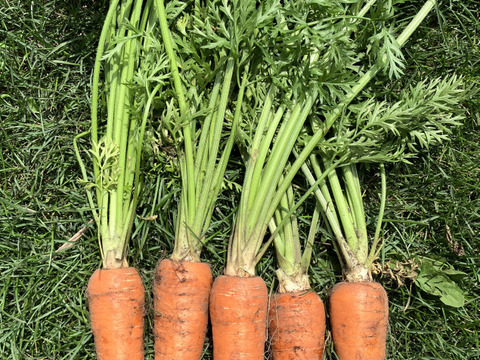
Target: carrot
point(116, 294)
point(116, 300)
point(297, 326)
point(181, 291)
point(296, 313)
point(238, 311)
point(359, 316)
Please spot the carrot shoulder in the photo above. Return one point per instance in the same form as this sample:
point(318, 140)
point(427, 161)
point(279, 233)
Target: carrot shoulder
point(297, 326)
point(238, 311)
point(181, 294)
point(359, 319)
point(116, 301)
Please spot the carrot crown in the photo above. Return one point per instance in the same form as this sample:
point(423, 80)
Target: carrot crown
point(293, 265)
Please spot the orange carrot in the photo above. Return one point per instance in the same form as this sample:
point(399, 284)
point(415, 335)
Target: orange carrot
point(181, 293)
point(238, 311)
point(359, 317)
point(297, 326)
point(116, 300)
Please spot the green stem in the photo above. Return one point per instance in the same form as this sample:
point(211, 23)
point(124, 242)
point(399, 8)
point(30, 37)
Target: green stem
point(106, 29)
point(383, 199)
point(122, 127)
point(344, 211)
point(146, 112)
point(323, 187)
point(84, 175)
point(352, 185)
point(270, 196)
point(308, 248)
point(261, 154)
point(207, 186)
point(415, 22)
point(137, 130)
point(250, 173)
point(272, 171)
point(325, 202)
point(201, 159)
point(290, 233)
point(187, 131)
point(222, 165)
point(134, 135)
point(313, 188)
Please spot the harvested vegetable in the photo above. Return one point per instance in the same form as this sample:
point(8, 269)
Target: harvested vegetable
point(116, 293)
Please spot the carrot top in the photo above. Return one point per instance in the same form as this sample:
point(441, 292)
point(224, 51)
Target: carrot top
point(375, 132)
point(204, 99)
point(117, 144)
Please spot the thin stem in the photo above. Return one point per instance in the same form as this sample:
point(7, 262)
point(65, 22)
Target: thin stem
point(365, 8)
point(207, 186)
point(146, 112)
point(273, 168)
point(313, 189)
point(327, 207)
point(323, 187)
point(344, 210)
point(202, 148)
point(250, 173)
point(383, 199)
point(85, 176)
point(129, 141)
point(187, 131)
point(277, 163)
point(352, 185)
point(222, 164)
point(415, 22)
point(120, 123)
point(308, 248)
point(96, 79)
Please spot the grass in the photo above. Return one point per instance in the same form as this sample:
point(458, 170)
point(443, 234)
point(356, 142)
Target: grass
point(46, 59)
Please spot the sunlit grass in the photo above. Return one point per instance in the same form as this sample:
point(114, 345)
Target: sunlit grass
point(46, 59)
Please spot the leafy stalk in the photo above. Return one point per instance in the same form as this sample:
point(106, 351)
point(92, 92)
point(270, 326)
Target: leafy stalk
point(349, 97)
point(180, 93)
point(117, 153)
point(245, 244)
point(203, 158)
point(383, 133)
point(293, 266)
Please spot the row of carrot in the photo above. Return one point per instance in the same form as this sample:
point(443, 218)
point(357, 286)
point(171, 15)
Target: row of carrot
point(220, 80)
point(240, 311)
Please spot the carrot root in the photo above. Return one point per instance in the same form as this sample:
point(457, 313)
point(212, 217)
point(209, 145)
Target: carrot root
point(181, 295)
point(359, 319)
point(238, 311)
point(116, 301)
point(297, 326)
